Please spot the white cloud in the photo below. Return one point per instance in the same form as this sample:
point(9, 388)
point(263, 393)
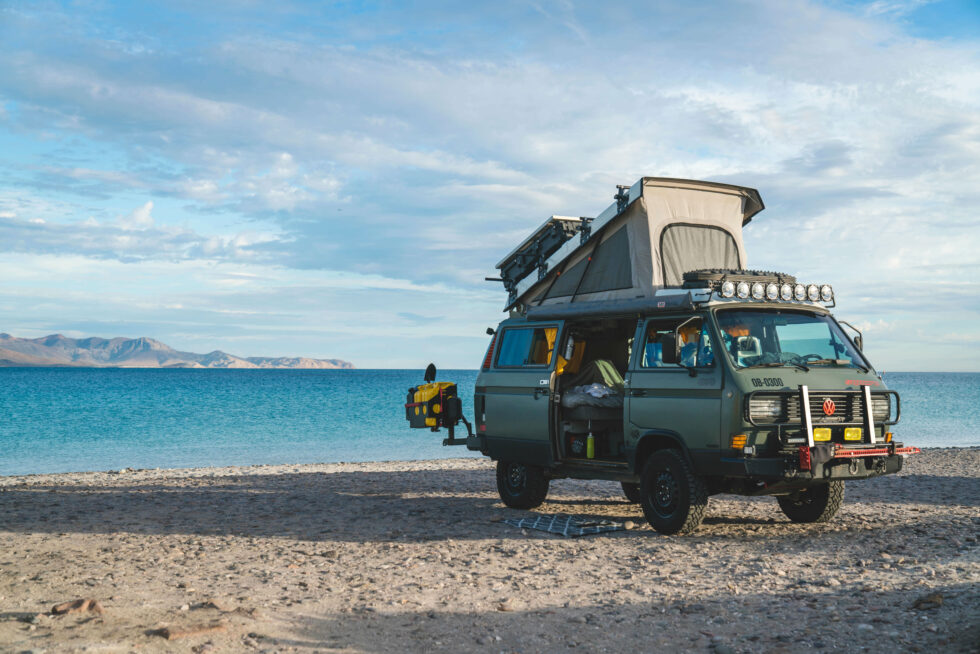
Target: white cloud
point(427, 160)
point(139, 219)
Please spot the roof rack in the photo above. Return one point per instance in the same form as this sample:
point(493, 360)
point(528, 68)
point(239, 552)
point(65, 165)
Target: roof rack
point(533, 252)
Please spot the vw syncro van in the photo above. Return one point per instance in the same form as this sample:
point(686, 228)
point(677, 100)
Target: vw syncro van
point(639, 349)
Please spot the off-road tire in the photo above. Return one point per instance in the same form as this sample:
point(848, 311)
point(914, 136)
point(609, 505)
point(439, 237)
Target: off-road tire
point(521, 486)
point(632, 492)
point(674, 499)
point(817, 503)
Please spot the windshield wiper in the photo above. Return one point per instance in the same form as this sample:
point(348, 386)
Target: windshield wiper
point(779, 364)
point(838, 362)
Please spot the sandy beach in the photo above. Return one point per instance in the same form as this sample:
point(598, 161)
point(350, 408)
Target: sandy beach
point(395, 557)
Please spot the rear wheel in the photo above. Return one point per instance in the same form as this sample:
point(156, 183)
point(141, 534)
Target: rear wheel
point(632, 492)
point(814, 504)
point(521, 486)
point(673, 498)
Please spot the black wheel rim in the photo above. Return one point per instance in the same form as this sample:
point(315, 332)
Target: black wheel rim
point(516, 478)
point(805, 498)
point(665, 494)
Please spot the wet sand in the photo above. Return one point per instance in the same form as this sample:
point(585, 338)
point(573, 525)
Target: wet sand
point(395, 557)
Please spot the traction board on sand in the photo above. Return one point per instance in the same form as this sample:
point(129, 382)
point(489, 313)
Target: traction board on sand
point(565, 525)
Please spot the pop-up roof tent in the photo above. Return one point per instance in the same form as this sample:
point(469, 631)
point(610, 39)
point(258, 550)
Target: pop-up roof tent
point(648, 239)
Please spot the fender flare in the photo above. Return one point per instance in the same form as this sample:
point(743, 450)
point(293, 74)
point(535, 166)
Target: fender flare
point(653, 440)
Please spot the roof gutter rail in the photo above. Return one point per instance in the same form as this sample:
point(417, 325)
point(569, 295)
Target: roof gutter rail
point(680, 301)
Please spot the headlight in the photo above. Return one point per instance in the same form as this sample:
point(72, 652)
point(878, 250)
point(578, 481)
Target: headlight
point(786, 292)
point(812, 293)
point(799, 292)
point(881, 407)
point(767, 409)
point(742, 290)
point(727, 289)
point(758, 290)
point(772, 291)
point(826, 293)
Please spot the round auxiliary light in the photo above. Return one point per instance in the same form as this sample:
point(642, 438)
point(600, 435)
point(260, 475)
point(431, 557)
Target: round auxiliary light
point(799, 292)
point(786, 291)
point(812, 293)
point(772, 291)
point(742, 290)
point(727, 289)
point(758, 290)
point(826, 293)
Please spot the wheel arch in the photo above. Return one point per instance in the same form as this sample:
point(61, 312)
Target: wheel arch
point(654, 440)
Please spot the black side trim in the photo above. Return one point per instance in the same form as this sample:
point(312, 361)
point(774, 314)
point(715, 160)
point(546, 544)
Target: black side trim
point(656, 439)
point(537, 453)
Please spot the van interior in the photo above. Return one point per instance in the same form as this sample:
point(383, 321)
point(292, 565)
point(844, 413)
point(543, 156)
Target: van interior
point(592, 362)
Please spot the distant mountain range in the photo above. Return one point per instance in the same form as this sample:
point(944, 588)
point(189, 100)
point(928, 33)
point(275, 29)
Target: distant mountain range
point(58, 350)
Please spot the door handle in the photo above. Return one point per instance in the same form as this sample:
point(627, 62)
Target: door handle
point(540, 391)
point(637, 392)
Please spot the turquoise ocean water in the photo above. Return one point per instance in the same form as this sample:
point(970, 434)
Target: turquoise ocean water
point(73, 419)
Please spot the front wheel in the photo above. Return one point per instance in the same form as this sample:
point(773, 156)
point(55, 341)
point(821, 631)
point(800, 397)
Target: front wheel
point(521, 486)
point(814, 504)
point(673, 498)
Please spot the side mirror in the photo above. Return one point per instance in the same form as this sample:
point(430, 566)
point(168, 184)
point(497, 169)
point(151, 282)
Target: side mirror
point(430, 373)
point(491, 331)
point(859, 341)
point(669, 350)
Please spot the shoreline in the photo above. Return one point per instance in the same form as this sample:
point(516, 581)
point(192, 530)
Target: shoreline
point(414, 556)
point(326, 467)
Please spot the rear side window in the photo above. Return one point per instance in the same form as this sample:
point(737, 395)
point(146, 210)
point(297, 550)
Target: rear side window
point(526, 346)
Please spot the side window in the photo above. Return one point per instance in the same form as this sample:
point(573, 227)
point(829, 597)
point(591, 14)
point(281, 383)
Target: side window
point(694, 341)
point(526, 346)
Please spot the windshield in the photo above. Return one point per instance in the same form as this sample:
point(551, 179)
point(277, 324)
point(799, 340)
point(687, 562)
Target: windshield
point(785, 338)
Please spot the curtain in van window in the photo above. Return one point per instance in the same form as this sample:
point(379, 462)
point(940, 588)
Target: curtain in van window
point(694, 247)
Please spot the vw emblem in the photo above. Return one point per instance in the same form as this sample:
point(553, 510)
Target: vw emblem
point(828, 406)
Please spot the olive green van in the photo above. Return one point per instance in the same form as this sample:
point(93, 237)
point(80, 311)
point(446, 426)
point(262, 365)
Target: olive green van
point(638, 349)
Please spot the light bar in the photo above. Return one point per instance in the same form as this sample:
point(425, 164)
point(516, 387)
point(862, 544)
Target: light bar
point(773, 292)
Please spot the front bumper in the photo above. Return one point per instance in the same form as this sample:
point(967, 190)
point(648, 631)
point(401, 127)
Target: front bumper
point(823, 461)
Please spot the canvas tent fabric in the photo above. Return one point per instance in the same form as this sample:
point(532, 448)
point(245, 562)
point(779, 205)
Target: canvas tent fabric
point(671, 227)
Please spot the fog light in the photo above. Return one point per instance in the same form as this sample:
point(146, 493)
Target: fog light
point(742, 290)
point(772, 291)
point(852, 434)
point(738, 441)
point(727, 289)
point(786, 292)
point(821, 434)
point(749, 450)
point(758, 290)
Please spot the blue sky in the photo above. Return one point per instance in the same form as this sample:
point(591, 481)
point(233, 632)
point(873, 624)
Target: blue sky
point(337, 180)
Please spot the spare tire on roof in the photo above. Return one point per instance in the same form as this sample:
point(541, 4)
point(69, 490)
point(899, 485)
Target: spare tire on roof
point(712, 276)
